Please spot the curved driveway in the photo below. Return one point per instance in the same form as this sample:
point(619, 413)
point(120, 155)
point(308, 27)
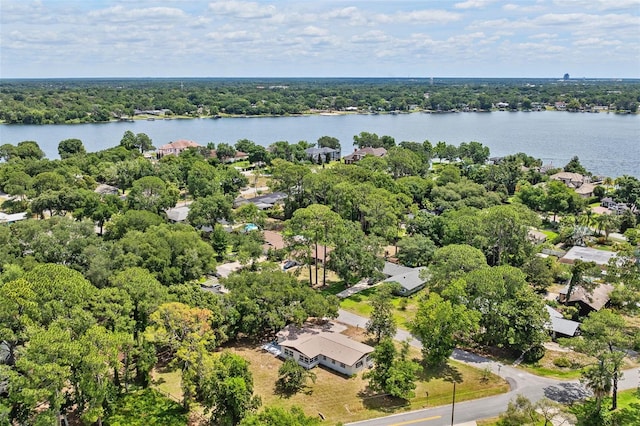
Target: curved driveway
point(521, 382)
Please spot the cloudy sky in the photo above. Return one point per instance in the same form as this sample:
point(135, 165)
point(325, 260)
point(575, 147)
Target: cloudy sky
point(319, 38)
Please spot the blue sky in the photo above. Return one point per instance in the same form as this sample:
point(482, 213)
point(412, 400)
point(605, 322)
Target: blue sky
point(320, 38)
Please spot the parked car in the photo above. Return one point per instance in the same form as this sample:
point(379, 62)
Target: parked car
point(289, 264)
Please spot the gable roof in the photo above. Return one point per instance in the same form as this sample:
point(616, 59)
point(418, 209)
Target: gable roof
point(390, 269)
point(360, 153)
point(312, 343)
point(558, 324)
point(596, 300)
point(409, 280)
point(568, 176)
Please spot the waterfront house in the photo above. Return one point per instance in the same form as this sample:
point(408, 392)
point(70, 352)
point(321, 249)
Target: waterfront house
point(322, 155)
point(359, 154)
point(176, 147)
point(572, 180)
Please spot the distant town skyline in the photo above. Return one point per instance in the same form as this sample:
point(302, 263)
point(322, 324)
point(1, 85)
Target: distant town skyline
point(329, 38)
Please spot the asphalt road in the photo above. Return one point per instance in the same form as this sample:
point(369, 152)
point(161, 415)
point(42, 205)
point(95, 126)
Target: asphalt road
point(521, 382)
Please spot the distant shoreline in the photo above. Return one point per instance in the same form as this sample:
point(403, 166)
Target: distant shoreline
point(326, 113)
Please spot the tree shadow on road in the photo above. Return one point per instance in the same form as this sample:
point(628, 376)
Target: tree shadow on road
point(566, 393)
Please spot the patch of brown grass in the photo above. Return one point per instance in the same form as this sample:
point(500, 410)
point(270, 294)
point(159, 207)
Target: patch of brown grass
point(346, 399)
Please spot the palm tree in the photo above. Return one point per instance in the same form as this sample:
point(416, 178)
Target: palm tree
point(606, 223)
point(598, 379)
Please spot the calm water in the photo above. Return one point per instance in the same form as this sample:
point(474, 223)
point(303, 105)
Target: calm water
point(607, 144)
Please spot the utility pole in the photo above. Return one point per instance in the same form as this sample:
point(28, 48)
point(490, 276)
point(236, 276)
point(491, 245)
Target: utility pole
point(453, 403)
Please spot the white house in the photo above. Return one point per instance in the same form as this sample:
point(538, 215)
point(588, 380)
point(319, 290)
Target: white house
point(313, 346)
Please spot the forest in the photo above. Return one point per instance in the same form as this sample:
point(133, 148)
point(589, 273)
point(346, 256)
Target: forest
point(100, 289)
point(87, 101)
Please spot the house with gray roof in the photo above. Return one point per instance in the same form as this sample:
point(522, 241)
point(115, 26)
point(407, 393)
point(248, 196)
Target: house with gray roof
point(558, 326)
point(410, 281)
point(390, 269)
point(587, 254)
point(322, 155)
point(263, 202)
point(177, 214)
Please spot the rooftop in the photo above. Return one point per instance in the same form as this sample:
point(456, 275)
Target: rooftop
point(408, 280)
point(588, 254)
point(314, 342)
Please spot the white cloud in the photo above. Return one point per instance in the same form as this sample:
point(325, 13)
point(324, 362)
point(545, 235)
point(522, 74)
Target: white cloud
point(242, 9)
point(312, 31)
point(419, 17)
point(374, 36)
point(473, 4)
point(241, 36)
point(123, 14)
point(601, 5)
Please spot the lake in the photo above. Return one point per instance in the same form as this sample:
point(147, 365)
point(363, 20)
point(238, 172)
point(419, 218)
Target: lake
point(607, 144)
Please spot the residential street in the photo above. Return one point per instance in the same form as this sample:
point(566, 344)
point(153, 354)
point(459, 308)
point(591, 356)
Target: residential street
point(521, 382)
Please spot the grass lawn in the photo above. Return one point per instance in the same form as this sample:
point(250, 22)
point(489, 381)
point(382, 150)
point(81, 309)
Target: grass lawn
point(352, 402)
point(359, 304)
point(551, 235)
point(627, 397)
point(345, 399)
point(302, 273)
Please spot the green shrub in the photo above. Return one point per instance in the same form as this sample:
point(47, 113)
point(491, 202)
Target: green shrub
point(562, 362)
point(534, 354)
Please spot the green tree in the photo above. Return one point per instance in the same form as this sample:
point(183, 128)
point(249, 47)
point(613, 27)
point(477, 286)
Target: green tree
point(208, 210)
point(381, 323)
point(607, 223)
point(475, 151)
point(314, 224)
point(226, 391)
point(70, 147)
point(393, 373)
point(277, 416)
point(415, 250)
point(440, 325)
point(603, 336)
point(356, 256)
point(561, 199)
point(131, 220)
point(292, 377)
point(225, 151)
point(187, 333)
point(574, 166)
point(452, 262)
point(520, 411)
point(152, 194)
point(328, 142)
